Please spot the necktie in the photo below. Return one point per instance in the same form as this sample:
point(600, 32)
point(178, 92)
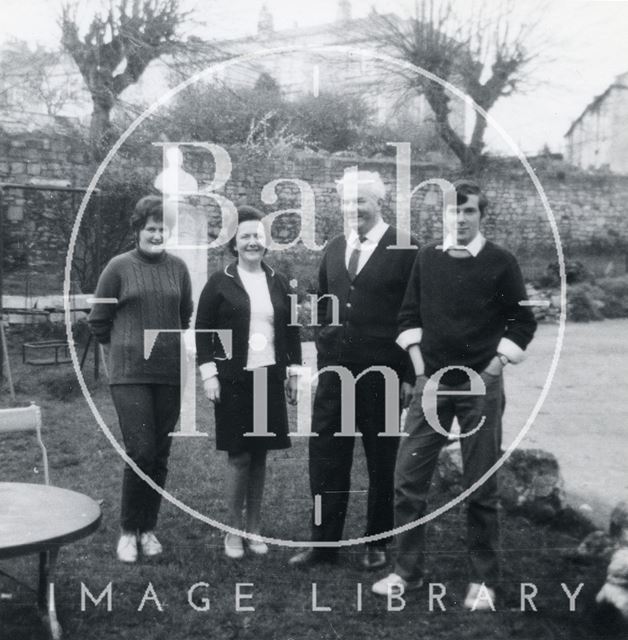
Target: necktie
point(354, 258)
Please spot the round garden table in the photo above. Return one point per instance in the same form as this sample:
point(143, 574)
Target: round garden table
point(39, 518)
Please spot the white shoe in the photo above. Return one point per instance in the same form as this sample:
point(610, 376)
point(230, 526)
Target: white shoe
point(479, 597)
point(257, 547)
point(127, 547)
point(234, 548)
point(149, 544)
point(395, 584)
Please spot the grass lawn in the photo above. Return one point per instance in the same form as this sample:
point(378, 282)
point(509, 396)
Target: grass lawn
point(82, 459)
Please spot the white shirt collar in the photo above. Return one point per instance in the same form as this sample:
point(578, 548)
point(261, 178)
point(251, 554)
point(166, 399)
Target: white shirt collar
point(373, 236)
point(474, 247)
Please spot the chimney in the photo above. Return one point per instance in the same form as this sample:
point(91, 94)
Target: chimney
point(344, 11)
point(265, 25)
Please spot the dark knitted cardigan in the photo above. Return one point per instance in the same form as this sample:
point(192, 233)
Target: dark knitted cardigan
point(368, 306)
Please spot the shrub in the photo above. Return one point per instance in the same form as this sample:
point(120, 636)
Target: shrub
point(575, 272)
point(615, 292)
point(584, 303)
point(300, 266)
point(334, 122)
point(586, 300)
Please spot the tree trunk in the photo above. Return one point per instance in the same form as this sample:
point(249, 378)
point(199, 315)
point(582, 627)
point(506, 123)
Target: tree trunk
point(100, 129)
point(469, 155)
point(475, 148)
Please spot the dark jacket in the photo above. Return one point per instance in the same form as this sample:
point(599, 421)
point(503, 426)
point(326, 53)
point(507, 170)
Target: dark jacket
point(368, 306)
point(224, 304)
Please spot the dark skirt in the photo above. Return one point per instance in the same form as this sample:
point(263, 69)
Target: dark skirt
point(235, 412)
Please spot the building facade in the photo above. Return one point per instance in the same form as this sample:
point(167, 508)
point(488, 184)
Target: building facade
point(39, 89)
point(339, 57)
point(347, 56)
point(598, 138)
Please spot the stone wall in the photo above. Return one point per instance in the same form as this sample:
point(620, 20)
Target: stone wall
point(589, 208)
point(36, 229)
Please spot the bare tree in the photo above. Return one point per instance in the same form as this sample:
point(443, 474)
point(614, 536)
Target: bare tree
point(116, 50)
point(487, 56)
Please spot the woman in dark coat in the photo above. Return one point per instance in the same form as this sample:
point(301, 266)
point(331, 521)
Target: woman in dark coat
point(249, 299)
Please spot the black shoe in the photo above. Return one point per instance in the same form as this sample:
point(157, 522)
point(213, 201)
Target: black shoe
point(310, 557)
point(373, 558)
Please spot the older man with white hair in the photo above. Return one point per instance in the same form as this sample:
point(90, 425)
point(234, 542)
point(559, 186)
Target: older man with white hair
point(362, 280)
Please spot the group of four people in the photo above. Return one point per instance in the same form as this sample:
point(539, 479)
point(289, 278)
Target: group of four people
point(449, 311)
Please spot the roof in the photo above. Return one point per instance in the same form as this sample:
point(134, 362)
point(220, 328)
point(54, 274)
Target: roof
point(341, 27)
point(595, 103)
point(355, 30)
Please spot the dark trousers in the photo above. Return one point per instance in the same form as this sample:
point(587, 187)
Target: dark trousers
point(147, 414)
point(418, 455)
point(331, 457)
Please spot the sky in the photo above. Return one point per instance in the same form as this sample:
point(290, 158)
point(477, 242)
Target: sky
point(584, 47)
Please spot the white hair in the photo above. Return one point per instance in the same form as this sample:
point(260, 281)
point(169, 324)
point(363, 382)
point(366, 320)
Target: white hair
point(369, 181)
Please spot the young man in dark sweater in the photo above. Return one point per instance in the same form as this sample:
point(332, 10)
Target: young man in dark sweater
point(461, 320)
point(362, 280)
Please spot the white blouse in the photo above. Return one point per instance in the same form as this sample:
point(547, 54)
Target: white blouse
point(261, 329)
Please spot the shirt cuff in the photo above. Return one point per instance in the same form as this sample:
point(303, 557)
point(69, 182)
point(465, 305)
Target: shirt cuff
point(512, 351)
point(409, 337)
point(295, 370)
point(208, 370)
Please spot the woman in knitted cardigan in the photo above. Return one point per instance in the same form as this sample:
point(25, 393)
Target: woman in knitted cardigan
point(148, 289)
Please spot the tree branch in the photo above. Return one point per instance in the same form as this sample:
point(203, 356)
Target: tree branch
point(116, 49)
point(487, 57)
